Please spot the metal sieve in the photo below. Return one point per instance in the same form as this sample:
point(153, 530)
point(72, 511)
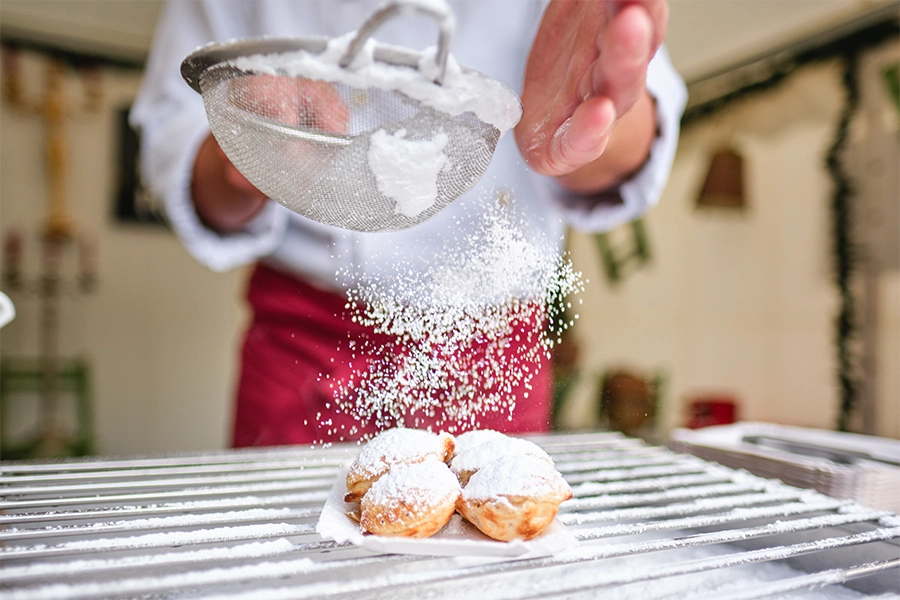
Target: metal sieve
point(359, 135)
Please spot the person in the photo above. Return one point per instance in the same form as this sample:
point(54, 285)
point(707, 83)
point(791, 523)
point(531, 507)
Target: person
point(601, 110)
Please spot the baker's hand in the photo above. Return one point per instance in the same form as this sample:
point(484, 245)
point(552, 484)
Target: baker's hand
point(585, 90)
point(224, 199)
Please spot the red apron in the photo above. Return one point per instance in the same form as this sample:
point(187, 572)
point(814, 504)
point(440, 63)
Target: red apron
point(296, 349)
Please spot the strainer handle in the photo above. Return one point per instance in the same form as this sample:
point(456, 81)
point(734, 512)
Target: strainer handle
point(434, 8)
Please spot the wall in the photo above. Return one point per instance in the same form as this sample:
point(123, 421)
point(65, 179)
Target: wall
point(706, 36)
point(703, 36)
point(161, 331)
point(740, 302)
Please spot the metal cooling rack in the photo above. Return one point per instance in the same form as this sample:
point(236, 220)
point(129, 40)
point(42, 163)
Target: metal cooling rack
point(241, 524)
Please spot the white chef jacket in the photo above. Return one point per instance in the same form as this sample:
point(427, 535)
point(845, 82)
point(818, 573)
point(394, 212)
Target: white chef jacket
point(492, 36)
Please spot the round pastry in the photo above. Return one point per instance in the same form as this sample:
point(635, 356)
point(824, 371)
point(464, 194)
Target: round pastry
point(468, 461)
point(473, 438)
point(414, 500)
point(514, 497)
point(399, 446)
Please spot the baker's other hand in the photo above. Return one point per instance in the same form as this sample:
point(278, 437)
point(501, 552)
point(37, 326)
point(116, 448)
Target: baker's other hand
point(225, 200)
point(588, 119)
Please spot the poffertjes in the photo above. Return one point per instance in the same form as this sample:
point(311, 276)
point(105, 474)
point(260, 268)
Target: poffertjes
point(506, 487)
point(399, 446)
point(475, 437)
point(470, 460)
point(513, 497)
point(414, 500)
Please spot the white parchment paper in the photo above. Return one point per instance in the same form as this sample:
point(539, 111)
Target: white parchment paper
point(457, 538)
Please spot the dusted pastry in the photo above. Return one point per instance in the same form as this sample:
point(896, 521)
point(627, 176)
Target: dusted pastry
point(468, 461)
point(473, 438)
point(513, 497)
point(397, 446)
point(414, 500)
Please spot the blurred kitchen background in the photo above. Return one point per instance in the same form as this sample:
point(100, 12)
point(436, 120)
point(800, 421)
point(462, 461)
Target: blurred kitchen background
point(765, 286)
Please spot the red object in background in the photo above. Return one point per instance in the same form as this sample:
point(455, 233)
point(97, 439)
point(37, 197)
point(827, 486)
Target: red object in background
point(711, 410)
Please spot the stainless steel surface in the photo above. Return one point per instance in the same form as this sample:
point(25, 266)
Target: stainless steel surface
point(650, 524)
point(838, 464)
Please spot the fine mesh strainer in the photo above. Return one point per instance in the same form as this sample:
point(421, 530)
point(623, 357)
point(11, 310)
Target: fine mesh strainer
point(350, 132)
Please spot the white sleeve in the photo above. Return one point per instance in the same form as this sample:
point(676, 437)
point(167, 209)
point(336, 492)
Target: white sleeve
point(634, 197)
point(172, 123)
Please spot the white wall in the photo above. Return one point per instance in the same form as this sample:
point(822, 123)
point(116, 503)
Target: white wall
point(704, 36)
point(740, 302)
point(707, 36)
point(160, 332)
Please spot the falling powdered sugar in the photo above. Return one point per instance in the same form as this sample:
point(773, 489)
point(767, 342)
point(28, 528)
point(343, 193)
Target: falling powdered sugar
point(465, 337)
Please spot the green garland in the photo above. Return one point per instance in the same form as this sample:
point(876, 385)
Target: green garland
point(844, 251)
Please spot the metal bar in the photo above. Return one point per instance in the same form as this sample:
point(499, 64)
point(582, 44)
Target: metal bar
point(258, 515)
point(734, 535)
point(613, 500)
point(737, 515)
point(310, 453)
point(632, 474)
point(573, 463)
point(239, 533)
point(704, 505)
point(118, 512)
point(44, 572)
point(592, 488)
point(156, 472)
point(554, 443)
point(314, 496)
point(142, 484)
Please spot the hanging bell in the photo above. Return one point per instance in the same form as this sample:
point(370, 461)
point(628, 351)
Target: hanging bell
point(724, 184)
